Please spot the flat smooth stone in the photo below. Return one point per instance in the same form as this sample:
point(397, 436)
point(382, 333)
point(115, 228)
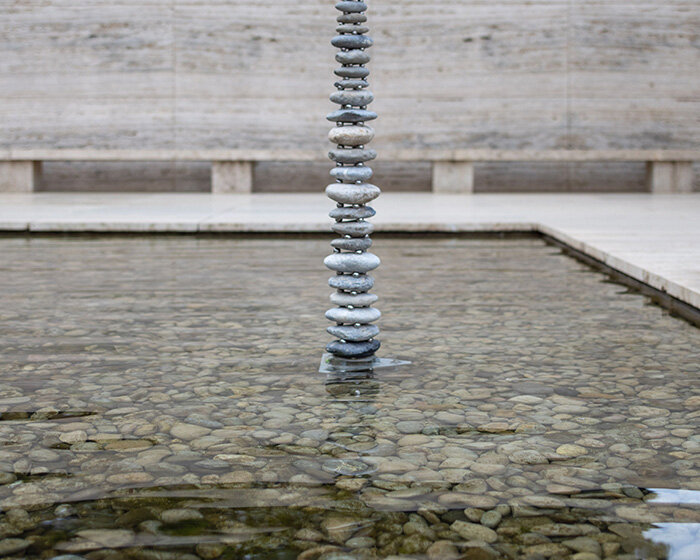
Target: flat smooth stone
point(351, 7)
point(352, 72)
point(352, 28)
point(351, 115)
point(352, 57)
point(352, 262)
point(352, 174)
point(352, 194)
point(353, 349)
point(362, 315)
point(352, 213)
point(354, 334)
point(352, 243)
point(351, 135)
point(350, 17)
point(357, 98)
point(354, 229)
point(350, 83)
point(352, 155)
point(350, 283)
point(352, 41)
point(345, 299)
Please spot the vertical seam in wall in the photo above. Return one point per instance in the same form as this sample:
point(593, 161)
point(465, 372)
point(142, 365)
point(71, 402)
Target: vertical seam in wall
point(173, 89)
point(569, 144)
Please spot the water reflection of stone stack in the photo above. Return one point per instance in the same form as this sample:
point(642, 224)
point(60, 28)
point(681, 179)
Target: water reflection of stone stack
point(351, 260)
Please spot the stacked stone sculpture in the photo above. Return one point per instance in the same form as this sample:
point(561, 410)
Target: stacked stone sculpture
point(354, 315)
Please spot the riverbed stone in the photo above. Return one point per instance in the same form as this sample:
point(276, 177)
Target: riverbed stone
point(189, 432)
point(352, 333)
point(571, 450)
point(474, 532)
point(180, 515)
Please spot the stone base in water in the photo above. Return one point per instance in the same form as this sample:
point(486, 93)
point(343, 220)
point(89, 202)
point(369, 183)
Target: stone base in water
point(357, 368)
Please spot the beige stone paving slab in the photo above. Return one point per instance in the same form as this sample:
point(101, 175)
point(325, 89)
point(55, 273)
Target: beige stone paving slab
point(652, 238)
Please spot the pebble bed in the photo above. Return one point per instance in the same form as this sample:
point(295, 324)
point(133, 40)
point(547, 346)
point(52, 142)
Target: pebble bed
point(160, 399)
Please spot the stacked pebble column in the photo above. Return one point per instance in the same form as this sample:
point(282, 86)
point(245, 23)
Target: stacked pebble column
point(354, 315)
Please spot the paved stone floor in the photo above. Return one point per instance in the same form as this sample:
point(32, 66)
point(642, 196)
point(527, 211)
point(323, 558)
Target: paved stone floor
point(652, 238)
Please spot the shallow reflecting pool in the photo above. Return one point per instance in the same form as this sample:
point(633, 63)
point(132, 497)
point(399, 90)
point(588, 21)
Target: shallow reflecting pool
point(160, 399)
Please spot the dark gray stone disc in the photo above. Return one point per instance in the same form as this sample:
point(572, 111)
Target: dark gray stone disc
point(351, 28)
point(352, 41)
point(352, 244)
point(351, 115)
point(353, 349)
point(354, 155)
point(352, 72)
point(354, 229)
point(350, 83)
point(350, 213)
point(357, 98)
point(353, 57)
point(351, 7)
point(351, 18)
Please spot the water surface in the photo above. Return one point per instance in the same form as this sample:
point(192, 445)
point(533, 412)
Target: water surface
point(160, 398)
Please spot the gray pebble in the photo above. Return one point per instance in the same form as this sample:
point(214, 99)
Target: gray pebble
point(352, 262)
point(352, 194)
point(353, 174)
point(351, 6)
point(352, 244)
point(347, 467)
point(352, 72)
point(362, 315)
point(350, 83)
point(352, 155)
point(409, 427)
point(352, 41)
point(351, 116)
point(354, 229)
point(351, 213)
point(354, 334)
point(351, 18)
point(361, 283)
point(352, 28)
point(351, 135)
point(353, 57)
point(360, 300)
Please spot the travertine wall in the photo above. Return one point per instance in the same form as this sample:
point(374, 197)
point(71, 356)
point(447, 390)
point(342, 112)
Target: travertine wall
point(446, 73)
